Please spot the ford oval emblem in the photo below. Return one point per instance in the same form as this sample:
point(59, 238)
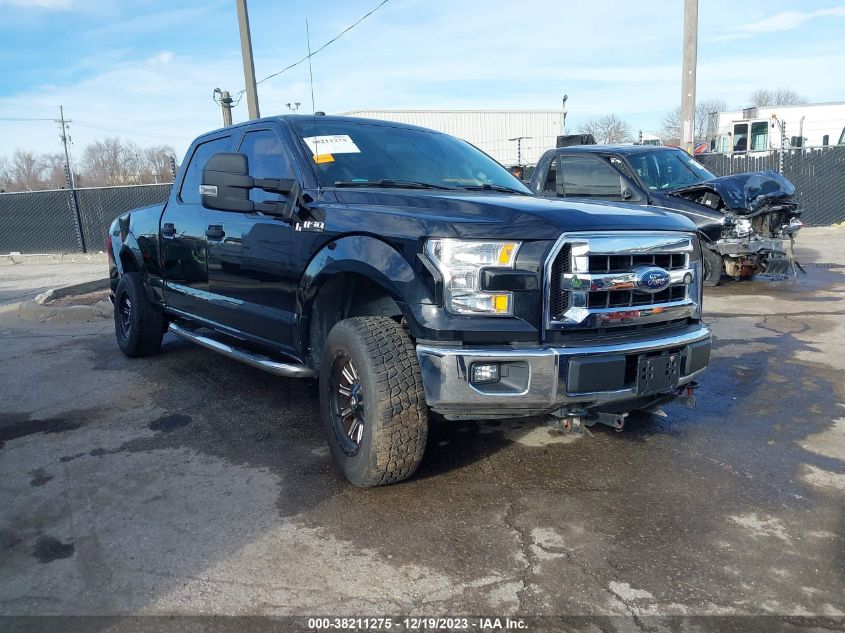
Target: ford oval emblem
point(653, 279)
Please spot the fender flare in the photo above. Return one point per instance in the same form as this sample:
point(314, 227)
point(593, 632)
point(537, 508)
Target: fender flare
point(130, 248)
point(367, 256)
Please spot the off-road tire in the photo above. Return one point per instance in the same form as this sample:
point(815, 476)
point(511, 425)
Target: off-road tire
point(714, 267)
point(394, 412)
point(147, 323)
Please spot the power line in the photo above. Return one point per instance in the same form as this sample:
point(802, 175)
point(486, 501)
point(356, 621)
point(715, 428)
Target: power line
point(4, 118)
point(105, 128)
point(108, 128)
point(311, 54)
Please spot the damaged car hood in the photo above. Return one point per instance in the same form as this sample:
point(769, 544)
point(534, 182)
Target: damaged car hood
point(743, 193)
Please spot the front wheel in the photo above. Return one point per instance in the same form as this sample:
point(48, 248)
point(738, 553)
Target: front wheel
point(372, 401)
point(714, 267)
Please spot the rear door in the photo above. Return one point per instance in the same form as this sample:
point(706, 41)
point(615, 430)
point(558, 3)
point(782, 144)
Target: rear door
point(182, 234)
point(251, 285)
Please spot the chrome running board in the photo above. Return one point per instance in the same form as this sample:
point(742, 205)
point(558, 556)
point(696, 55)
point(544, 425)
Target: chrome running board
point(252, 359)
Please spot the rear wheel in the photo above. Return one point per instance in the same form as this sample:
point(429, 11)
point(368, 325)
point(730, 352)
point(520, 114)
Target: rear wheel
point(372, 401)
point(138, 325)
point(714, 267)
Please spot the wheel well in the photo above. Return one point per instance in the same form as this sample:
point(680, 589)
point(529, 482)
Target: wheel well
point(341, 297)
point(127, 261)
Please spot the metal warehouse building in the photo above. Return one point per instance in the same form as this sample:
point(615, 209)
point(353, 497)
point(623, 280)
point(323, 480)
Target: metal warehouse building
point(489, 130)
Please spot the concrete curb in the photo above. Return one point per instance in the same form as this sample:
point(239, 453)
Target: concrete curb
point(16, 259)
point(75, 289)
point(31, 311)
point(36, 310)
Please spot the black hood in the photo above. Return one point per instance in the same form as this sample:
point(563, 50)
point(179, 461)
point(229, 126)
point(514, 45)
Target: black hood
point(744, 193)
point(483, 215)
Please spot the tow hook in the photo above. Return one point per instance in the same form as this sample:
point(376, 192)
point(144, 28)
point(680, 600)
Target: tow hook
point(567, 424)
point(687, 394)
point(576, 423)
point(616, 421)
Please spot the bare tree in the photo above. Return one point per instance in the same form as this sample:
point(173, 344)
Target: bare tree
point(5, 179)
point(54, 171)
point(156, 164)
point(111, 161)
point(607, 129)
point(670, 127)
point(776, 97)
point(26, 171)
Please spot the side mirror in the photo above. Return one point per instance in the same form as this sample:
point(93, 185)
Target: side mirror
point(630, 192)
point(226, 184)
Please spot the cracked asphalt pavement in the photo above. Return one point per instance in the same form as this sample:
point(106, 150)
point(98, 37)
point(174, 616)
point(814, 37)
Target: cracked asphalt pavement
point(190, 484)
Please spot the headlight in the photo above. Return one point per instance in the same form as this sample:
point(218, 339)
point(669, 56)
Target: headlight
point(742, 227)
point(460, 262)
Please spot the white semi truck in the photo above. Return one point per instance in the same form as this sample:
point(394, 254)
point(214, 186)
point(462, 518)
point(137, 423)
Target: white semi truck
point(764, 128)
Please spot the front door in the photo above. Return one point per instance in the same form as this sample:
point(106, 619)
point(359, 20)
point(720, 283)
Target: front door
point(251, 285)
point(183, 239)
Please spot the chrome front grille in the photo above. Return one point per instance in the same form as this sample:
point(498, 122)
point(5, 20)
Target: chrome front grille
point(608, 280)
point(623, 263)
point(628, 298)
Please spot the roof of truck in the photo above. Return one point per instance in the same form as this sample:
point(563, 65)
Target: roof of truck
point(616, 149)
point(322, 119)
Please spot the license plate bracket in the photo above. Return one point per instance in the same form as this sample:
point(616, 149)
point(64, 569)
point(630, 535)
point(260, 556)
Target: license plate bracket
point(658, 373)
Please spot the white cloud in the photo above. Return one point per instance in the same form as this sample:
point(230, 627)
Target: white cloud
point(38, 4)
point(779, 22)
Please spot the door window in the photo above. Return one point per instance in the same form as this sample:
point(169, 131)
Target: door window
point(741, 137)
point(267, 159)
point(588, 177)
point(759, 135)
point(549, 186)
point(189, 193)
point(621, 166)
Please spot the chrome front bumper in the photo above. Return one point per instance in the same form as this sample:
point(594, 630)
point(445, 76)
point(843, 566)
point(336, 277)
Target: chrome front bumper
point(540, 383)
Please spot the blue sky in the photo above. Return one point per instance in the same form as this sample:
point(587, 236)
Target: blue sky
point(145, 69)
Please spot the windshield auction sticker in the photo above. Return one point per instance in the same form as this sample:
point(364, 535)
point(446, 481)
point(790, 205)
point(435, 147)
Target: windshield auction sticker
point(334, 144)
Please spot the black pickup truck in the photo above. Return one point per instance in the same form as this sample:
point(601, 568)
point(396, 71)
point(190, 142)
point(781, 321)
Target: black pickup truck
point(746, 222)
point(409, 272)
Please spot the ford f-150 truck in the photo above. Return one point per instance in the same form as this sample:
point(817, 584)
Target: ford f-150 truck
point(746, 222)
point(409, 272)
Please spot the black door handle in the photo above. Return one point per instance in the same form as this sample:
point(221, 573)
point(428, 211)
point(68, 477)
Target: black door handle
point(215, 231)
point(168, 230)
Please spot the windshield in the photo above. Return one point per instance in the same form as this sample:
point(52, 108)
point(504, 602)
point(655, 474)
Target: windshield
point(668, 169)
point(351, 153)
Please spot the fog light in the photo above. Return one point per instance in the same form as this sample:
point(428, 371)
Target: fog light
point(484, 373)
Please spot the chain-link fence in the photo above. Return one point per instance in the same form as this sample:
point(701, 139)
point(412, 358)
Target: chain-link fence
point(818, 174)
point(48, 222)
point(99, 206)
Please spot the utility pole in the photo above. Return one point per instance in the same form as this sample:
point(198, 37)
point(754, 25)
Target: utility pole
point(519, 140)
point(74, 207)
point(63, 129)
point(249, 67)
point(688, 76)
point(225, 101)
